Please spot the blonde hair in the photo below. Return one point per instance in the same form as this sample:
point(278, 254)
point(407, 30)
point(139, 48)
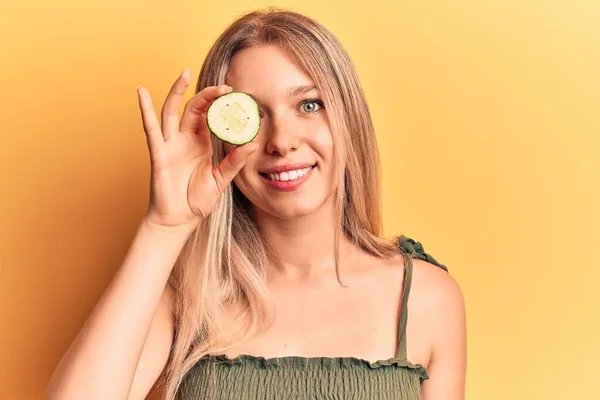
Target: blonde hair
point(224, 262)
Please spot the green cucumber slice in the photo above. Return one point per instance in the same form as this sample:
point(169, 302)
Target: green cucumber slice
point(234, 118)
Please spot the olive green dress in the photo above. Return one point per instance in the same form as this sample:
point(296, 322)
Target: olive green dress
point(252, 377)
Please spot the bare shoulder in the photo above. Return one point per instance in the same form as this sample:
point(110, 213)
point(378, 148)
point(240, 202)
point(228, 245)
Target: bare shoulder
point(434, 288)
point(434, 291)
point(437, 312)
point(436, 329)
point(436, 302)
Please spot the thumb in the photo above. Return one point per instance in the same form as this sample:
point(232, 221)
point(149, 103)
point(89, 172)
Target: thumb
point(232, 163)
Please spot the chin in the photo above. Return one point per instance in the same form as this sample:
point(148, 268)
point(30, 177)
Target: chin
point(287, 206)
point(290, 210)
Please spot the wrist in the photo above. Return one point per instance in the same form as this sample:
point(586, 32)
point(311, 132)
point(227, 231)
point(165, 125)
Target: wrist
point(156, 223)
point(184, 230)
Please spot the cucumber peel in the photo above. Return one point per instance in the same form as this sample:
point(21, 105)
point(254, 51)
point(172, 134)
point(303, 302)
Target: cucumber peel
point(234, 118)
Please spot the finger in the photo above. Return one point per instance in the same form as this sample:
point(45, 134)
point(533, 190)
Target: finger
point(229, 167)
point(195, 109)
point(170, 110)
point(204, 138)
point(149, 119)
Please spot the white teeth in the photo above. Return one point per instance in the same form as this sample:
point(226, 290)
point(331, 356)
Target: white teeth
point(302, 172)
point(289, 175)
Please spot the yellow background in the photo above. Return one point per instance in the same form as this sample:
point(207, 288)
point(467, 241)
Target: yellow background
point(488, 118)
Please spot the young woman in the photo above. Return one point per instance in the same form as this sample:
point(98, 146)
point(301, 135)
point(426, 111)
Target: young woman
point(259, 270)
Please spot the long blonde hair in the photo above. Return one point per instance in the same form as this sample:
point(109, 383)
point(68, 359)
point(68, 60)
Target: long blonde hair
point(224, 262)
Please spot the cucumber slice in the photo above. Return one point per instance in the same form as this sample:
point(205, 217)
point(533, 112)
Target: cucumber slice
point(234, 118)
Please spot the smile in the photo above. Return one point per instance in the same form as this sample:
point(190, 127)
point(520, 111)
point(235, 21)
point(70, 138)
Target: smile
point(287, 180)
point(289, 175)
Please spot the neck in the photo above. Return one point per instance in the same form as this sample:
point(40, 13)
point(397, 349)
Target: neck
point(305, 246)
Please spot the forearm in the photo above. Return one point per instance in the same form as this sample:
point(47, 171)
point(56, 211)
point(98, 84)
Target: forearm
point(102, 360)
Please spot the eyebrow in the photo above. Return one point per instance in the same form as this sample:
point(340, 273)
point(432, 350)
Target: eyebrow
point(302, 89)
point(292, 92)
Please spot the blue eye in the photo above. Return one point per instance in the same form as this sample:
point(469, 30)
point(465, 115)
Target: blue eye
point(311, 106)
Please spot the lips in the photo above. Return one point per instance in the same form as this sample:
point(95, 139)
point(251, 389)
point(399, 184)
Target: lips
point(288, 178)
point(289, 175)
point(285, 168)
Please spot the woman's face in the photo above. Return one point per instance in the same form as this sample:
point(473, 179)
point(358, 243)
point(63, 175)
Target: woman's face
point(292, 174)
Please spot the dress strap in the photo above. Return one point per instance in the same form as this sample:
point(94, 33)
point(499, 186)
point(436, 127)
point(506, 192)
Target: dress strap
point(408, 269)
point(415, 250)
point(410, 249)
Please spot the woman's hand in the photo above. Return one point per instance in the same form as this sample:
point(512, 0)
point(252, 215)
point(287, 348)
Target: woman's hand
point(184, 185)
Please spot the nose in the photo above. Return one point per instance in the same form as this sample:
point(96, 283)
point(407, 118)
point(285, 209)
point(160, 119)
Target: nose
point(282, 136)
